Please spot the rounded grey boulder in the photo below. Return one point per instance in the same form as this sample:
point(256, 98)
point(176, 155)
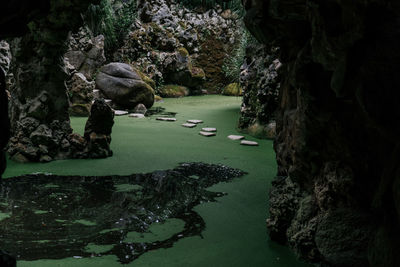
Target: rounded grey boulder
point(123, 85)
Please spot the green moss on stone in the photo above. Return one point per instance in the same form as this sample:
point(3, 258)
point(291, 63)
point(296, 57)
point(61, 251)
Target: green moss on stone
point(172, 90)
point(233, 89)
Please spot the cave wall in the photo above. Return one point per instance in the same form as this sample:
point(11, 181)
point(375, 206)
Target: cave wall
point(336, 198)
point(42, 27)
point(39, 114)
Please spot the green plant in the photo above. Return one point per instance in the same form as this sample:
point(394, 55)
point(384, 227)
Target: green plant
point(111, 22)
point(232, 63)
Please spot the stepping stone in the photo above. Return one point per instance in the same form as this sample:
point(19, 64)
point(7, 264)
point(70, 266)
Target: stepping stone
point(165, 119)
point(195, 121)
point(189, 125)
point(120, 112)
point(209, 129)
point(136, 115)
point(208, 134)
point(248, 143)
point(235, 137)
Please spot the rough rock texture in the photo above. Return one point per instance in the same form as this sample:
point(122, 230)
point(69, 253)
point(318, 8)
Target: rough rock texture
point(4, 123)
point(80, 94)
point(260, 82)
point(39, 102)
point(98, 130)
point(84, 57)
point(337, 198)
point(164, 28)
point(124, 86)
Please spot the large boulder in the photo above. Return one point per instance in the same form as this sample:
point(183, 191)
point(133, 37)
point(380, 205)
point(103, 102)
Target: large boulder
point(124, 86)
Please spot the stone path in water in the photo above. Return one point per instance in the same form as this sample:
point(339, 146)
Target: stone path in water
point(208, 131)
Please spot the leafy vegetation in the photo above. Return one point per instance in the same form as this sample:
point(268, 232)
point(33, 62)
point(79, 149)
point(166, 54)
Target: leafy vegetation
point(234, 61)
point(111, 20)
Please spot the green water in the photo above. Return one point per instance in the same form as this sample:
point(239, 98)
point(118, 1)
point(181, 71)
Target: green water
point(235, 232)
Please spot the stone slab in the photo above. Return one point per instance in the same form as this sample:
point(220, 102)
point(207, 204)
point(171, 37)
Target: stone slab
point(120, 112)
point(195, 121)
point(209, 129)
point(207, 134)
point(165, 119)
point(136, 115)
point(248, 143)
point(189, 125)
point(235, 137)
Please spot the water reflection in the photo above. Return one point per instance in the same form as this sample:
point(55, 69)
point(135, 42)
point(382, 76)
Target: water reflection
point(46, 216)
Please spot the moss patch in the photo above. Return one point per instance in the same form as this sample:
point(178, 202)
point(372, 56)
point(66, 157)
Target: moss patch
point(233, 89)
point(173, 90)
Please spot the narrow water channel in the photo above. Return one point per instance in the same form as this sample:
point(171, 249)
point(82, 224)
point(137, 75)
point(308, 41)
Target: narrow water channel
point(231, 220)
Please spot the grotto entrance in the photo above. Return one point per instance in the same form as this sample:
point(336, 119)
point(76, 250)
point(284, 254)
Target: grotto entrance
point(90, 215)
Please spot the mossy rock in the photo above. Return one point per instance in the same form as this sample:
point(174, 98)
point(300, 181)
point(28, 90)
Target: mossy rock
point(198, 73)
point(146, 78)
point(183, 52)
point(173, 90)
point(79, 110)
point(233, 89)
point(158, 98)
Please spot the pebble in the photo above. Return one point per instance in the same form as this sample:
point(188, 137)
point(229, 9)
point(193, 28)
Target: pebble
point(120, 112)
point(235, 137)
point(189, 125)
point(195, 121)
point(248, 143)
point(136, 115)
point(209, 129)
point(165, 119)
point(208, 134)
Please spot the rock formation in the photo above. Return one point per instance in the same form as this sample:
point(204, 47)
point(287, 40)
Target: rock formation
point(124, 86)
point(336, 197)
point(84, 57)
point(175, 45)
point(260, 82)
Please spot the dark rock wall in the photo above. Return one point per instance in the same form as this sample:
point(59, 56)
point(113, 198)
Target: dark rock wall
point(260, 82)
point(39, 99)
point(337, 195)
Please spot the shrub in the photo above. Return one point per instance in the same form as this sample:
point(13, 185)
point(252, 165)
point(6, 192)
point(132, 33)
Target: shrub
point(113, 23)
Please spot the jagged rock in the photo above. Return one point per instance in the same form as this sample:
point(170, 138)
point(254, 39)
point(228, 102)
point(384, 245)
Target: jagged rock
point(80, 92)
point(337, 109)
point(140, 108)
point(98, 129)
point(120, 83)
point(85, 55)
point(260, 80)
